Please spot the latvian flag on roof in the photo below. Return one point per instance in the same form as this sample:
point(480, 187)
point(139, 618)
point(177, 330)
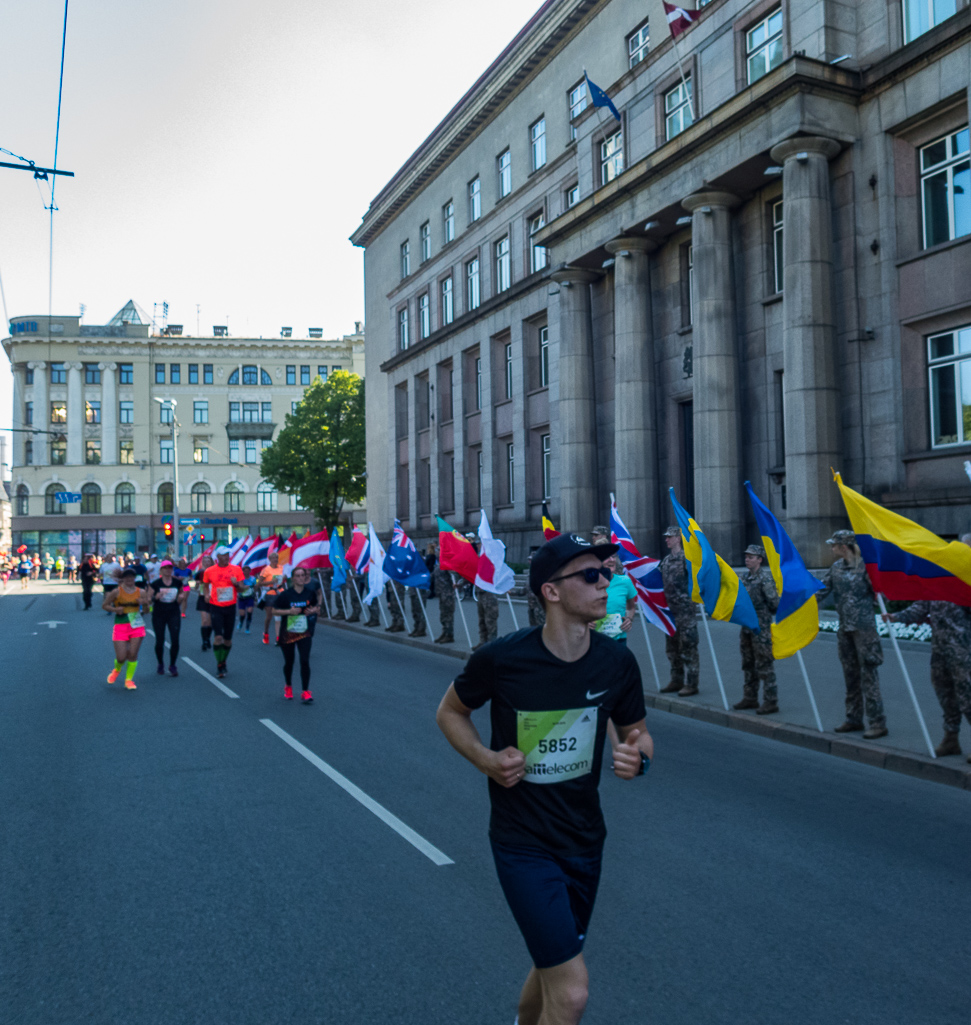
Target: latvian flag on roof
point(679, 18)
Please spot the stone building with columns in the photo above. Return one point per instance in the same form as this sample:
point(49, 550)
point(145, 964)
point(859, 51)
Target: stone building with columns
point(86, 422)
point(762, 270)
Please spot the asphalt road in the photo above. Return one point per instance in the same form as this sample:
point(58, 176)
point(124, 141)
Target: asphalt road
point(166, 856)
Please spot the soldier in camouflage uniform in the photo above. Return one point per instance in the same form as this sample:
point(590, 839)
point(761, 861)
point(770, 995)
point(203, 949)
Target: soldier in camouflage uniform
point(488, 617)
point(950, 662)
point(355, 616)
point(758, 662)
point(417, 614)
point(445, 592)
point(682, 647)
point(373, 610)
point(394, 595)
point(326, 575)
point(857, 641)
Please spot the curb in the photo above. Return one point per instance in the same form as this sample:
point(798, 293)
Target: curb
point(396, 638)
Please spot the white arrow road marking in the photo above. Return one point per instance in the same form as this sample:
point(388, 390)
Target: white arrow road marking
point(51, 624)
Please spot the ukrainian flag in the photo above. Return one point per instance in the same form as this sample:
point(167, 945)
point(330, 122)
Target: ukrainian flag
point(714, 583)
point(905, 561)
point(797, 618)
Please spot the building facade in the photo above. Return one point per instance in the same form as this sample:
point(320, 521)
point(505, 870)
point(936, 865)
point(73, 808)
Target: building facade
point(90, 393)
point(762, 270)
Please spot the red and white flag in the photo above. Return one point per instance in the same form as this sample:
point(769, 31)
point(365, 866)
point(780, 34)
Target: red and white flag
point(493, 574)
point(679, 18)
point(197, 561)
point(311, 552)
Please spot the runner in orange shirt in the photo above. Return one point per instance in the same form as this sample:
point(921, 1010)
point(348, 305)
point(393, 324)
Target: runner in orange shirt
point(221, 582)
point(271, 584)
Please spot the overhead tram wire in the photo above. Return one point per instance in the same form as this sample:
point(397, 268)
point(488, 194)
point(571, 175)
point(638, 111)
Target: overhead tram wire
point(53, 207)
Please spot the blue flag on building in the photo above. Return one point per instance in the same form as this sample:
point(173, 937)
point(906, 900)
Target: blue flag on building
point(599, 98)
point(403, 562)
point(338, 561)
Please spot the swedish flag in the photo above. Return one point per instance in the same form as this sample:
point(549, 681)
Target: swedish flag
point(797, 617)
point(714, 583)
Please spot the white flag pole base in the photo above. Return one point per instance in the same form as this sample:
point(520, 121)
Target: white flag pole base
point(910, 686)
point(512, 610)
point(714, 658)
point(650, 650)
point(809, 691)
point(458, 605)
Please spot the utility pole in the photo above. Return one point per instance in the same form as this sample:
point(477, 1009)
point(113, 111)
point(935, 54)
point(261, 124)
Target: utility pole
point(172, 403)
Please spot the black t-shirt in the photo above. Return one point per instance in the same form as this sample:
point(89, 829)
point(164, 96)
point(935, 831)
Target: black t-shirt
point(165, 599)
point(141, 573)
point(290, 599)
point(556, 713)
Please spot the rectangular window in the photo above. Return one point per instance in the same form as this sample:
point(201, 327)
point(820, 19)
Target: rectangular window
point(291, 374)
point(28, 461)
point(578, 99)
point(200, 452)
point(304, 374)
point(266, 412)
point(510, 473)
point(544, 357)
point(763, 46)
point(404, 339)
point(504, 171)
point(472, 297)
point(544, 445)
point(921, 16)
point(507, 366)
point(58, 412)
point(424, 316)
point(126, 373)
point(334, 369)
point(166, 450)
point(92, 411)
point(92, 452)
point(58, 373)
point(29, 376)
point(234, 415)
point(266, 500)
point(175, 373)
point(537, 252)
point(251, 412)
point(58, 453)
point(945, 183)
point(234, 450)
point(293, 406)
point(92, 373)
point(448, 222)
point(28, 413)
point(207, 373)
point(126, 412)
point(125, 500)
point(777, 264)
point(250, 450)
point(193, 373)
point(572, 196)
point(478, 382)
point(537, 144)
point(611, 157)
point(503, 277)
point(677, 108)
point(322, 372)
point(448, 308)
point(249, 374)
point(690, 258)
point(200, 411)
point(165, 414)
point(405, 259)
point(949, 366)
point(160, 373)
point(475, 200)
point(126, 452)
point(637, 44)
point(425, 238)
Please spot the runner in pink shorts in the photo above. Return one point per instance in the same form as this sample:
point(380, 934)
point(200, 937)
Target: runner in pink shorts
point(128, 601)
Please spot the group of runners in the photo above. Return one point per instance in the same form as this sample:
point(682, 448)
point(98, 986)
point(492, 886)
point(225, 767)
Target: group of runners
point(36, 567)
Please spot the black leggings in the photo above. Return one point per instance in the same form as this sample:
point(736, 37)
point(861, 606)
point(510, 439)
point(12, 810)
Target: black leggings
point(290, 652)
point(159, 623)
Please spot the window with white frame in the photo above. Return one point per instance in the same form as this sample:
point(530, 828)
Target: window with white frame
point(234, 450)
point(233, 497)
point(200, 452)
point(266, 412)
point(921, 16)
point(199, 497)
point(405, 259)
point(763, 46)
point(504, 171)
point(403, 338)
point(949, 366)
point(305, 374)
point(544, 357)
point(507, 368)
point(295, 505)
point(475, 199)
point(677, 108)
point(945, 184)
point(537, 252)
point(777, 252)
point(448, 301)
point(250, 449)
point(572, 196)
point(503, 278)
point(472, 297)
point(424, 316)
point(124, 499)
point(425, 240)
point(544, 447)
point(251, 412)
point(510, 472)
point(59, 373)
point(448, 222)
point(537, 144)
point(637, 44)
point(611, 157)
point(266, 498)
point(200, 411)
point(92, 411)
point(234, 414)
point(164, 413)
point(166, 450)
point(126, 452)
point(578, 99)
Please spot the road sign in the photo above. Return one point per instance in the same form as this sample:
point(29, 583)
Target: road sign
point(67, 497)
point(186, 522)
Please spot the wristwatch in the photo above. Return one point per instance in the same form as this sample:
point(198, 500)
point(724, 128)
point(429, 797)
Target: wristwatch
point(645, 764)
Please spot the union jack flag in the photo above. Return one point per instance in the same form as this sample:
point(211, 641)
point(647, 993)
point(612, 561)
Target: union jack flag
point(645, 575)
point(400, 538)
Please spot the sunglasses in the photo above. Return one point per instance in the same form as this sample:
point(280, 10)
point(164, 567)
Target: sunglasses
point(590, 574)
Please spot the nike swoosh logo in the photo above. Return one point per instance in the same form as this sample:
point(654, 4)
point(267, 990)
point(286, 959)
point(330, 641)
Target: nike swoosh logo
point(600, 694)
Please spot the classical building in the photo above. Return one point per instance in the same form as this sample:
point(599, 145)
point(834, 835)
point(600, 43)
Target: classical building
point(762, 270)
point(89, 392)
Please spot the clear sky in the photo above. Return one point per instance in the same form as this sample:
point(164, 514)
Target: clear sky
point(223, 151)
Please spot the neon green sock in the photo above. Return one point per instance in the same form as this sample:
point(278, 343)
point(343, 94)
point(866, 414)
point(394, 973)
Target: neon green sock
point(218, 652)
point(118, 666)
point(132, 666)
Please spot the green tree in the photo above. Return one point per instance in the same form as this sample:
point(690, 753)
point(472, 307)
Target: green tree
point(319, 454)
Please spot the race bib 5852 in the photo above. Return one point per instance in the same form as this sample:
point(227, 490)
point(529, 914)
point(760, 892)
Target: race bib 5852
point(558, 745)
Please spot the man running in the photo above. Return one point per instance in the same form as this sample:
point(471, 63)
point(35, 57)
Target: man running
point(168, 605)
point(271, 584)
point(552, 691)
point(222, 581)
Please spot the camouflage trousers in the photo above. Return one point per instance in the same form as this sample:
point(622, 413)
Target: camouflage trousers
point(758, 664)
point(860, 654)
point(418, 613)
point(394, 595)
point(374, 612)
point(488, 616)
point(682, 651)
point(535, 610)
point(951, 679)
point(446, 610)
point(353, 600)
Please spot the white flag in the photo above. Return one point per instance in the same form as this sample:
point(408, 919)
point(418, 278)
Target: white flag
point(376, 578)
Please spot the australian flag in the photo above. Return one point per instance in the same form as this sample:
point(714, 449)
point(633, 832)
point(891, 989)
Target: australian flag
point(403, 562)
point(645, 575)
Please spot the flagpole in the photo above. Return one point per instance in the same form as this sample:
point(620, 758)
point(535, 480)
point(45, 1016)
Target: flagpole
point(684, 81)
point(357, 591)
point(326, 604)
point(424, 611)
point(809, 691)
point(384, 615)
point(340, 594)
point(512, 610)
point(394, 591)
point(650, 650)
point(714, 657)
point(910, 686)
point(458, 602)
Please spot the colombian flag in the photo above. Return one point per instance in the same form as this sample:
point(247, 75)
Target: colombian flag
point(715, 584)
point(797, 617)
point(549, 531)
point(458, 553)
point(905, 561)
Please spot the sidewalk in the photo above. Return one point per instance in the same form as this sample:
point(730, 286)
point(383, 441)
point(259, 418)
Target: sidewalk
point(903, 750)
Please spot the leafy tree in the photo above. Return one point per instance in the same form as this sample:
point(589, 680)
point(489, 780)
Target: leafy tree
point(319, 454)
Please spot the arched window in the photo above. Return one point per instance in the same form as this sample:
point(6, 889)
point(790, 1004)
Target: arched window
point(125, 498)
point(200, 497)
point(233, 497)
point(90, 500)
point(23, 500)
point(234, 377)
point(249, 374)
point(51, 505)
point(265, 377)
point(266, 498)
point(166, 495)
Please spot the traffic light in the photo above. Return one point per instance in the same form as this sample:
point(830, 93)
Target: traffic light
point(167, 527)
point(202, 539)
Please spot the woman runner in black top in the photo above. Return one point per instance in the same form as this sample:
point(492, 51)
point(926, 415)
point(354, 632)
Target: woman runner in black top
point(299, 606)
point(168, 603)
point(202, 606)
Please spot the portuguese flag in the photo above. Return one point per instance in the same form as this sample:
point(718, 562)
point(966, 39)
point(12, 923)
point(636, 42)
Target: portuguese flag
point(456, 553)
point(549, 531)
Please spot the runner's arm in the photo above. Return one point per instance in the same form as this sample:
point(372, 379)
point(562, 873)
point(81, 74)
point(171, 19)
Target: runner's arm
point(634, 741)
point(455, 721)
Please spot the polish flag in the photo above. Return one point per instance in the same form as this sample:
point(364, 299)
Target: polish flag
point(679, 18)
point(493, 574)
point(239, 550)
point(311, 552)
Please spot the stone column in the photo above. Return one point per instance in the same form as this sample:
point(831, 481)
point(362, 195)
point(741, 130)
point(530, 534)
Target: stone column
point(42, 413)
point(109, 413)
point(635, 410)
point(718, 483)
point(810, 385)
point(17, 453)
point(577, 403)
point(75, 415)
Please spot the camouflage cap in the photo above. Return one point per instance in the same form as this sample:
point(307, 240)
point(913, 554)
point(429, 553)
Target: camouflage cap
point(601, 531)
point(842, 537)
point(673, 532)
point(755, 550)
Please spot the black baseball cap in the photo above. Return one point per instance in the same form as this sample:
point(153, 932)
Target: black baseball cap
point(557, 552)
